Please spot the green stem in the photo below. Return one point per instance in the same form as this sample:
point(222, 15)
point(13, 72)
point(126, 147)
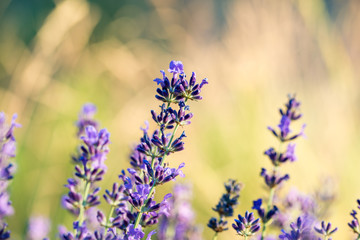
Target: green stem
point(167, 147)
point(81, 217)
point(215, 236)
point(109, 216)
point(358, 237)
point(263, 231)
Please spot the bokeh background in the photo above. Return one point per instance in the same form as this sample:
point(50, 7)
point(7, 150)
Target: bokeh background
point(57, 55)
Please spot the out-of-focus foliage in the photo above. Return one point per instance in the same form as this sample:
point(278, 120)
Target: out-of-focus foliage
point(57, 55)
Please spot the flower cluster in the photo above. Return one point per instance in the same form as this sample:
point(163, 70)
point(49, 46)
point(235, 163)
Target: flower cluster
point(89, 169)
point(326, 230)
point(246, 226)
point(274, 178)
point(7, 168)
point(299, 230)
point(132, 203)
point(354, 224)
point(225, 206)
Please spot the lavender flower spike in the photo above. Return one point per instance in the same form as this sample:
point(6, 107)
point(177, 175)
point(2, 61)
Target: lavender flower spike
point(7, 151)
point(225, 207)
point(90, 169)
point(354, 224)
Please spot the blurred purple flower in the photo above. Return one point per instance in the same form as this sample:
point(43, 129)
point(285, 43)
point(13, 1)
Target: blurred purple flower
point(176, 67)
point(86, 118)
point(39, 228)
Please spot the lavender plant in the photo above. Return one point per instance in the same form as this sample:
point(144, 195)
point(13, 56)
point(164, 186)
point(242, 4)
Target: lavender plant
point(132, 204)
point(225, 207)
point(7, 169)
point(278, 157)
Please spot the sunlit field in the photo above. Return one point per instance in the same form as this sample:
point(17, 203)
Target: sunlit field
point(57, 56)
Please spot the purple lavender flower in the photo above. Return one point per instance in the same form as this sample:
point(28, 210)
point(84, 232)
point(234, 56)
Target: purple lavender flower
point(86, 117)
point(7, 169)
point(176, 67)
point(225, 207)
point(354, 224)
point(293, 203)
point(246, 226)
point(178, 222)
point(277, 157)
point(272, 180)
point(148, 158)
point(218, 225)
point(302, 229)
point(290, 113)
point(90, 169)
point(132, 204)
point(39, 228)
point(326, 230)
point(265, 216)
point(178, 89)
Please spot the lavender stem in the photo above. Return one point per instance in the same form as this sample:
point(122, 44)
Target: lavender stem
point(215, 236)
point(109, 216)
point(81, 217)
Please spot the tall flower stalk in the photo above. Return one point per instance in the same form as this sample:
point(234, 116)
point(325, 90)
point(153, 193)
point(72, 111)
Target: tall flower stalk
point(354, 223)
point(7, 169)
point(150, 158)
point(278, 157)
point(131, 202)
point(89, 170)
point(225, 207)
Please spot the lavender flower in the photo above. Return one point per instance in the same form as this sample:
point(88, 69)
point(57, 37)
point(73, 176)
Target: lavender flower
point(86, 117)
point(302, 229)
point(290, 113)
point(326, 230)
point(39, 228)
point(246, 226)
point(354, 224)
point(7, 151)
point(90, 169)
point(225, 207)
point(178, 89)
point(265, 216)
point(294, 203)
point(132, 203)
point(273, 179)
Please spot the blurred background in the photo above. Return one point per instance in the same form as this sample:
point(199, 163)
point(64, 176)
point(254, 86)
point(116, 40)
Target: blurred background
point(57, 55)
